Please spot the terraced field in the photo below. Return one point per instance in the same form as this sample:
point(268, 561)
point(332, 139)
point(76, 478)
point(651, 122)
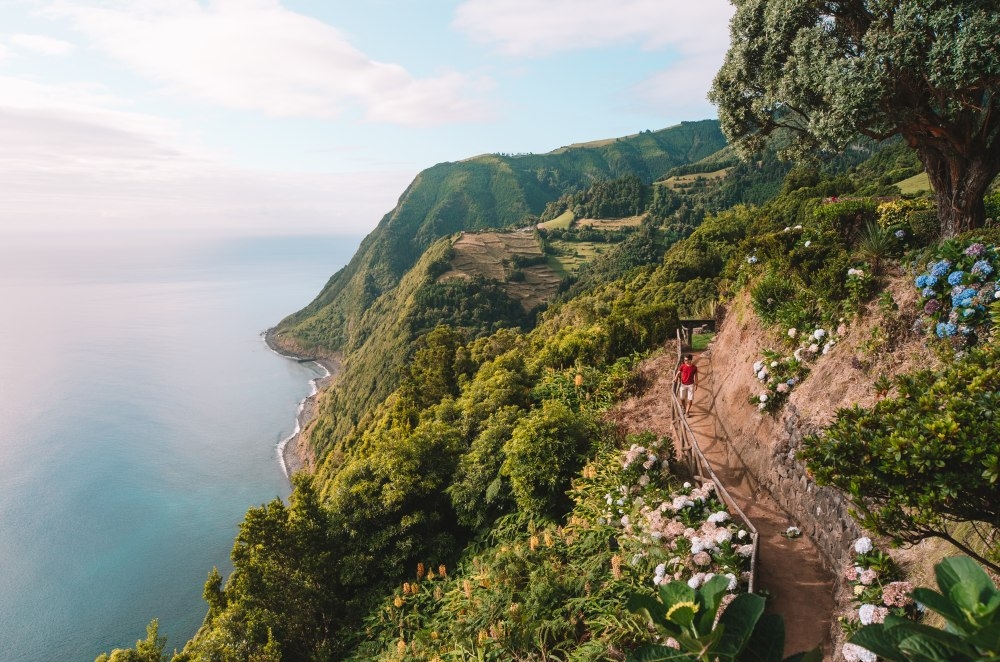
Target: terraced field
point(692, 180)
point(492, 255)
point(610, 224)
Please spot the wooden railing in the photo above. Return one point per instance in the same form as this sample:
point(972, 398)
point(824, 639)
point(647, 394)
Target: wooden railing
point(696, 462)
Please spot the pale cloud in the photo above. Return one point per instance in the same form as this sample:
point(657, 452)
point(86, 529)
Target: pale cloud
point(691, 36)
point(41, 44)
point(532, 28)
point(73, 164)
point(257, 55)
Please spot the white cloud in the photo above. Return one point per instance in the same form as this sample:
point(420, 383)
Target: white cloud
point(257, 55)
point(71, 163)
point(41, 44)
point(692, 35)
point(532, 28)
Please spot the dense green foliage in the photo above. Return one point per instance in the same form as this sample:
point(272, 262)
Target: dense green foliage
point(969, 603)
point(927, 70)
point(490, 191)
point(918, 463)
point(464, 437)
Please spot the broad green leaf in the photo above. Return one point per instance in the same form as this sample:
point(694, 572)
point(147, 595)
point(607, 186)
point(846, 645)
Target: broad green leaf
point(739, 620)
point(682, 613)
point(710, 595)
point(956, 570)
point(676, 592)
point(767, 642)
point(937, 602)
point(987, 639)
point(651, 608)
point(881, 640)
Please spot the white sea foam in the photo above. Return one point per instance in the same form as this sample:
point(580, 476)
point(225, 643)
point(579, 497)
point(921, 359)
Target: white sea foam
point(313, 390)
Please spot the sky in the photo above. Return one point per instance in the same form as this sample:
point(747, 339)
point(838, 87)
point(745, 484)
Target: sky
point(312, 116)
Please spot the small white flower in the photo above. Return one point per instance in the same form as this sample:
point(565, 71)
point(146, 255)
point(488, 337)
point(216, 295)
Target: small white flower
point(788, 228)
point(761, 406)
point(762, 397)
point(718, 517)
point(855, 653)
point(687, 486)
point(813, 348)
point(798, 227)
point(762, 374)
point(807, 244)
point(695, 581)
point(819, 333)
point(793, 332)
point(863, 545)
point(742, 534)
point(774, 364)
point(732, 582)
point(758, 366)
point(865, 613)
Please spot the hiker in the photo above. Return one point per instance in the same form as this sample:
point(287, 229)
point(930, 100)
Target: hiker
point(687, 375)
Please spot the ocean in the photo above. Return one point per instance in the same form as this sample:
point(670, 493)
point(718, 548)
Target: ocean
point(140, 414)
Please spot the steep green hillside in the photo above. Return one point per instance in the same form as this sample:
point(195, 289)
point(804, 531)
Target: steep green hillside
point(489, 191)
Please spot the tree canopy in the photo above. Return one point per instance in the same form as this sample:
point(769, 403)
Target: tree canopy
point(927, 70)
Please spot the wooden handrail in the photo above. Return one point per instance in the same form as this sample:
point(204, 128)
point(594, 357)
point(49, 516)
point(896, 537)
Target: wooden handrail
point(698, 464)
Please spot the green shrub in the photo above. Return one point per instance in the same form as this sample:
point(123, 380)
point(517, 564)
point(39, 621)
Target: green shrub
point(770, 294)
point(546, 448)
point(917, 464)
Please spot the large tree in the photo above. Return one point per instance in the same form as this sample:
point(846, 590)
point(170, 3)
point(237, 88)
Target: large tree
point(828, 70)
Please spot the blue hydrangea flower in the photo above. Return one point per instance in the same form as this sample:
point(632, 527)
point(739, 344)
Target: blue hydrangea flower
point(982, 268)
point(900, 234)
point(921, 281)
point(940, 268)
point(961, 297)
point(945, 329)
point(955, 277)
point(968, 312)
point(928, 292)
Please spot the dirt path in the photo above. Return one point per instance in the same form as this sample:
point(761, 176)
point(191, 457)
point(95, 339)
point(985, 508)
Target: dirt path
point(790, 570)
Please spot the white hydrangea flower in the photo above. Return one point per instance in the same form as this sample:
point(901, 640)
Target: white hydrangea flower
point(762, 374)
point(757, 366)
point(865, 613)
point(732, 582)
point(863, 545)
point(793, 332)
point(696, 580)
point(718, 517)
point(808, 243)
point(762, 398)
point(687, 486)
point(819, 333)
point(855, 653)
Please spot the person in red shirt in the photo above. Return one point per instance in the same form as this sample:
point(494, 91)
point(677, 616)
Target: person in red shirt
point(687, 375)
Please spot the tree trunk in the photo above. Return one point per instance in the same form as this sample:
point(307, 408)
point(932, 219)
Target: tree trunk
point(960, 181)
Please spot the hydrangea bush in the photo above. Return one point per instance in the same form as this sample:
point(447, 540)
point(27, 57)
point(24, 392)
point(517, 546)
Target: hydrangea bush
point(780, 373)
point(878, 591)
point(957, 290)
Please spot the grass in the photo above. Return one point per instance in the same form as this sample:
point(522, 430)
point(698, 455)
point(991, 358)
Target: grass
point(699, 341)
point(915, 184)
point(561, 222)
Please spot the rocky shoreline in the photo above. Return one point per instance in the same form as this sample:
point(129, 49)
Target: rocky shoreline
point(296, 455)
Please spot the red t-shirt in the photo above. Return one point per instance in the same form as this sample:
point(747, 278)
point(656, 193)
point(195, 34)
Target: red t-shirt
point(688, 372)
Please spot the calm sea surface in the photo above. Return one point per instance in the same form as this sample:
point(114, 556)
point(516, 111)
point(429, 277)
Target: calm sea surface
point(139, 417)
